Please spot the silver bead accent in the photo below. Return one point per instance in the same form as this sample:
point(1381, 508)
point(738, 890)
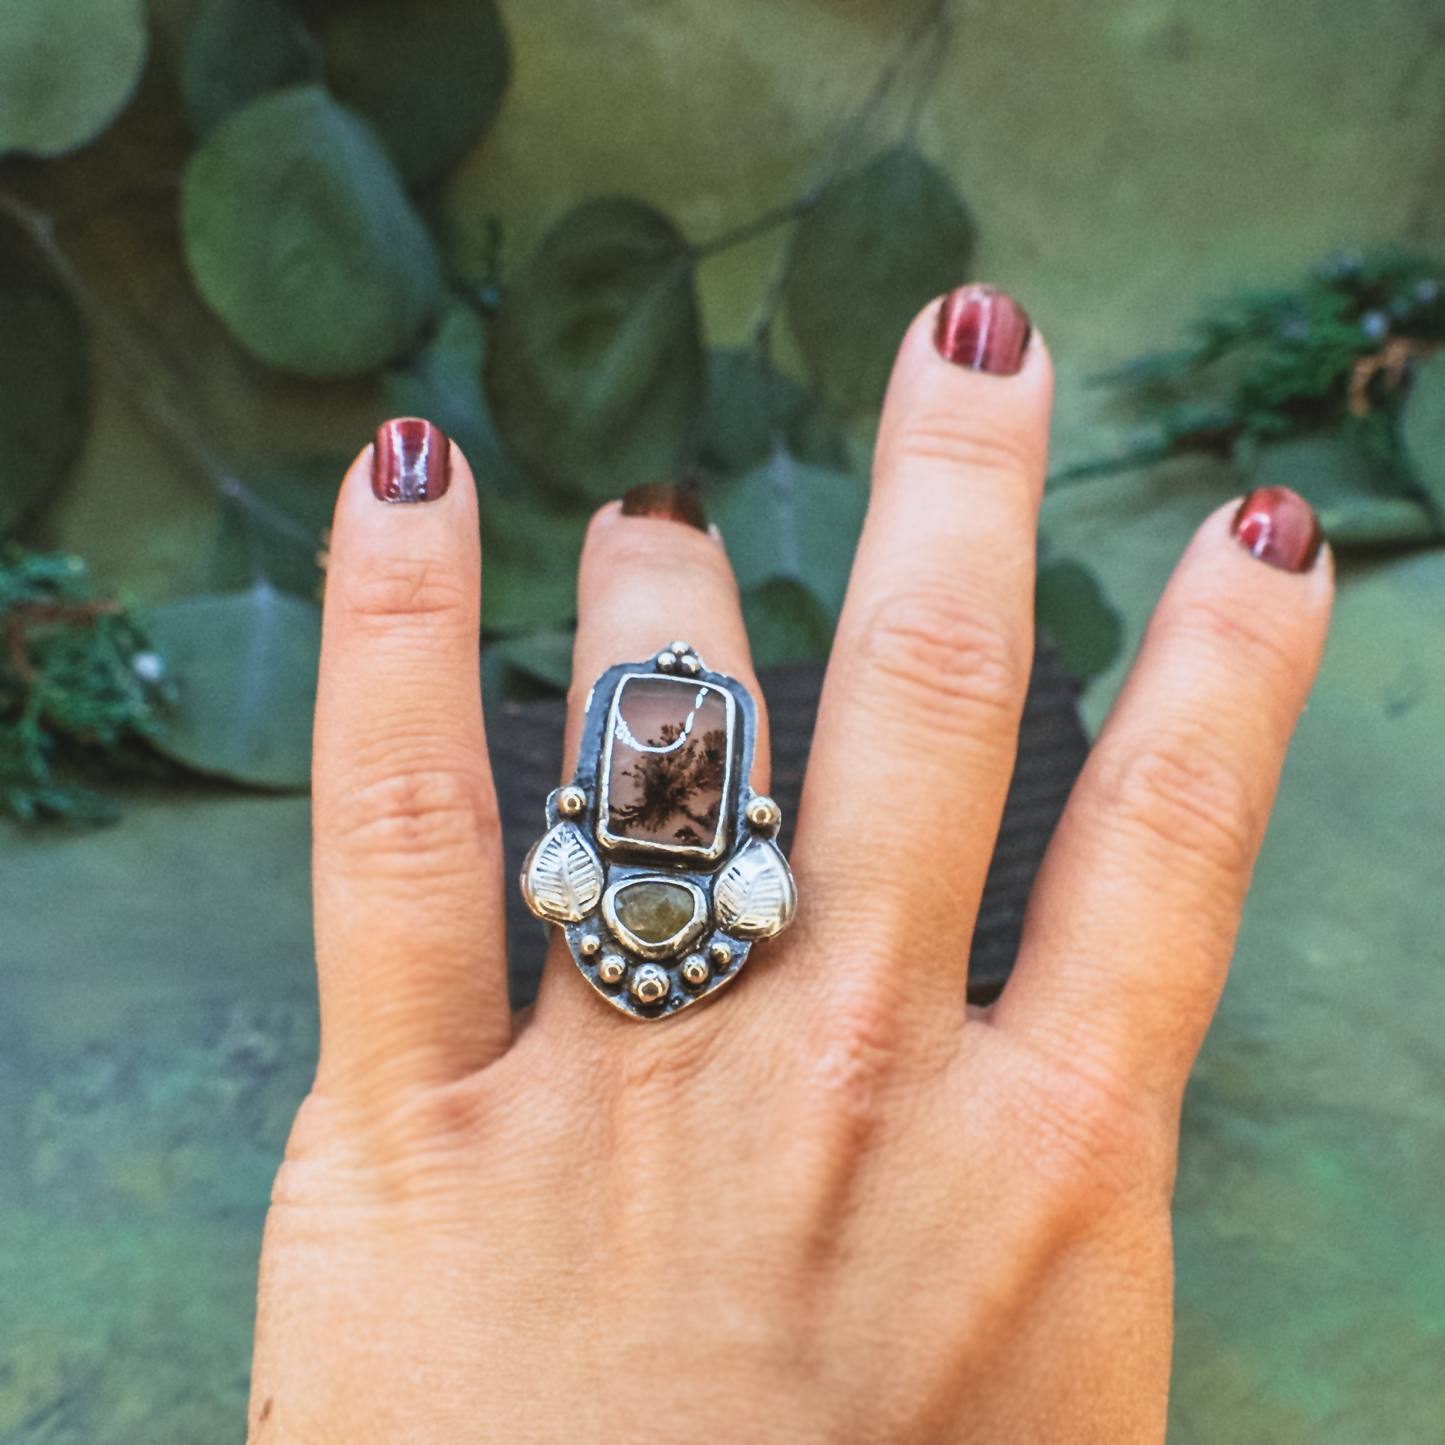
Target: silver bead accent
point(681, 648)
point(588, 945)
point(763, 813)
point(571, 801)
point(665, 662)
point(695, 970)
point(611, 969)
point(720, 954)
point(689, 666)
point(649, 984)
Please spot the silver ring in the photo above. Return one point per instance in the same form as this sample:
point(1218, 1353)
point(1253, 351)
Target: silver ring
point(659, 860)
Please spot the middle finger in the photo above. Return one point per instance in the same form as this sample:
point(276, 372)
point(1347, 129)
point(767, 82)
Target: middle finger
point(918, 724)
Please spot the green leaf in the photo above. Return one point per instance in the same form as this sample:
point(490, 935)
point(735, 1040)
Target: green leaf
point(298, 233)
point(594, 369)
point(428, 74)
point(793, 521)
point(1070, 605)
point(1327, 468)
point(875, 248)
point(67, 69)
point(443, 382)
point(1423, 431)
point(1367, 523)
point(241, 49)
point(545, 656)
point(752, 406)
point(244, 669)
point(274, 522)
point(785, 622)
point(44, 394)
point(529, 563)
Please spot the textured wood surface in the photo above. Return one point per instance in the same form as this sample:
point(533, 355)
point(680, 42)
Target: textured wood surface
point(525, 741)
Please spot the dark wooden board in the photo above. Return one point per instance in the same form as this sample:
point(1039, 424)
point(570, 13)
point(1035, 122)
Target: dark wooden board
point(525, 740)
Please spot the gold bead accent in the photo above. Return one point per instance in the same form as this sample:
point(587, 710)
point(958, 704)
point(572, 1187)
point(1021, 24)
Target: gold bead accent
point(612, 968)
point(720, 954)
point(764, 813)
point(588, 944)
point(695, 970)
point(649, 984)
point(571, 801)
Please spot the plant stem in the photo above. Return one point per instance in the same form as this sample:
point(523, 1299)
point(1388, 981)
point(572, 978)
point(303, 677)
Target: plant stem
point(148, 380)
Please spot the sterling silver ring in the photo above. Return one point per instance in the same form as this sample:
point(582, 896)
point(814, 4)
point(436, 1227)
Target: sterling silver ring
point(659, 860)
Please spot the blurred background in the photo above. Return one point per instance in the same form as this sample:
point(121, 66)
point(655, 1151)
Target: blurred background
point(603, 242)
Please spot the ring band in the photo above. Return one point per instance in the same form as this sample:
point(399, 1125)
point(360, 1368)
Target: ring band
point(659, 860)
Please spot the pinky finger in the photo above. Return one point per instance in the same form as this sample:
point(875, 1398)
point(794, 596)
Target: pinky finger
point(1134, 915)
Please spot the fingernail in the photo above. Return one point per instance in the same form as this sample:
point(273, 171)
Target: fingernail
point(670, 501)
point(982, 328)
point(1279, 527)
point(411, 461)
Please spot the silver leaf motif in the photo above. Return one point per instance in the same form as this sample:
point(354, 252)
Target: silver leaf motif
point(755, 896)
point(562, 879)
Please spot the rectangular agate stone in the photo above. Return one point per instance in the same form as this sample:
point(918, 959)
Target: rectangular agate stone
point(667, 767)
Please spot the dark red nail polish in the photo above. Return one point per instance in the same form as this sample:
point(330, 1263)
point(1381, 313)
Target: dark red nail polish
point(411, 461)
point(1279, 527)
point(670, 501)
point(982, 328)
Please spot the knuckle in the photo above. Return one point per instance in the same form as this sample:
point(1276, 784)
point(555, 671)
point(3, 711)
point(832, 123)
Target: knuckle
point(1252, 642)
point(394, 588)
point(960, 440)
point(1091, 1140)
point(1185, 798)
point(414, 818)
point(945, 660)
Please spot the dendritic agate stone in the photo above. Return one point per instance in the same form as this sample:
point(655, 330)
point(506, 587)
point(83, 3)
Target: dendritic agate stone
point(667, 766)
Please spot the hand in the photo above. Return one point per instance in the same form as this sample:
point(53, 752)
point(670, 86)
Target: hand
point(835, 1204)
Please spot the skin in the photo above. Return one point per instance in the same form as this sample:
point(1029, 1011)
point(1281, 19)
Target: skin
point(837, 1204)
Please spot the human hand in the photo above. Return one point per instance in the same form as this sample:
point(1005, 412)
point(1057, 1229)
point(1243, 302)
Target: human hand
point(836, 1203)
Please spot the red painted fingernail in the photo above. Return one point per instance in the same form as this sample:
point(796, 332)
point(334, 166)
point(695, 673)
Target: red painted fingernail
point(982, 328)
point(411, 461)
point(1279, 527)
point(669, 501)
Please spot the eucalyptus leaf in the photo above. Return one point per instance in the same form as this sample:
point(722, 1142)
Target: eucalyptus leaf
point(594, 370)
point(238, 50)
point(1367, 523)
point(273, 525)
point(785, 622)
point(1423, 431)
point(44, 393)
point(443, 382)
point(752, 407)
point(529, 562)
point(877, 246)
point(67, 69)
point(1328, 468)
point(244, 670)
point(545, 656)
point(300, 236)
point(428, 74)
point(794, 521)
point(1070, 605)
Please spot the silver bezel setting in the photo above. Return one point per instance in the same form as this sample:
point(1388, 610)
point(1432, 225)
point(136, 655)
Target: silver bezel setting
point(612, 842)
point(679, 941)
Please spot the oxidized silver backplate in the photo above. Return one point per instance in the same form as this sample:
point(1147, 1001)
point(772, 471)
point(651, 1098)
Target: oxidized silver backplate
point(659, 860)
